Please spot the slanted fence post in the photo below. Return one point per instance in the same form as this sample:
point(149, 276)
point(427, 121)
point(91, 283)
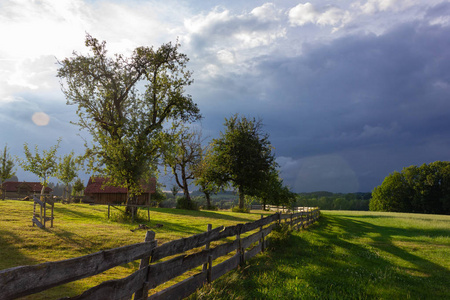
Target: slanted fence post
point(142, 294)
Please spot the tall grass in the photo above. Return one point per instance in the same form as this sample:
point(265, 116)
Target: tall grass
point(349, 255)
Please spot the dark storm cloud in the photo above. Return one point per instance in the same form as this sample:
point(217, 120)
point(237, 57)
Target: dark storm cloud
point(379, 103)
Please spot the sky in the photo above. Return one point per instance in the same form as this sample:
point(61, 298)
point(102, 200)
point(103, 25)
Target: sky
point(349, 91)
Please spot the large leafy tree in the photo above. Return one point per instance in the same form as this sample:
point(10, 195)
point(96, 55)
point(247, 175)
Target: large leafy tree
point(424, 189)
point(42, 165)
point(124, 103)
point(242, 156)
point(6, 167)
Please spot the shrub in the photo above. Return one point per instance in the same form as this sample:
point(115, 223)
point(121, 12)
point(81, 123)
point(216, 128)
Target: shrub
point(184, 203)
point(240, 210)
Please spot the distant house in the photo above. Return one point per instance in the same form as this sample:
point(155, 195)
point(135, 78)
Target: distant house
point(98, 192)
point(22, 189)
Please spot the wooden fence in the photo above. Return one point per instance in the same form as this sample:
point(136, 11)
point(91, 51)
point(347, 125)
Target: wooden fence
point(282, 209)
point(26, 280)
point(40, 218)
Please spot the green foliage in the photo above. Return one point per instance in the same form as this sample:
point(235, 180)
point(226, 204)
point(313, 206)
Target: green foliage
point(204, 176)
point(67, 169)
point(124, 104)
point(78, 187)
point(186, 203)
point(424, 189)
point(242, 157)
point(6, 166)
point(238, 209)
point(43, 166)
point(159, 196)
point(175, 189)
point(332, 201)
point(274, 192)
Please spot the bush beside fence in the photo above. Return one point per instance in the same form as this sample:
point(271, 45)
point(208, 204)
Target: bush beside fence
point(26, 280)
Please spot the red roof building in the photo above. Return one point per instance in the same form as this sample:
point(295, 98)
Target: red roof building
point(99, 192)
point(14, 189)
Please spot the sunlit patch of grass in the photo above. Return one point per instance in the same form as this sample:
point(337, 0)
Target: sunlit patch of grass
point(350, 255)
point(81, 229)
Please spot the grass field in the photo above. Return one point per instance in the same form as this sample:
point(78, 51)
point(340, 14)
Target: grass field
point(349, 255)
point(81, 229)
point(346, 255)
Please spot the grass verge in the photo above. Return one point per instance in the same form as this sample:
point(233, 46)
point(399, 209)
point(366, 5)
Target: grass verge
point(349, 255)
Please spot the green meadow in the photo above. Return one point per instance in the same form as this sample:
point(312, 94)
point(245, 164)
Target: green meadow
point(345, 255)
point(349, 255)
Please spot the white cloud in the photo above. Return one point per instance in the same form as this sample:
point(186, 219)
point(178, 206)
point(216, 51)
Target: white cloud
point(302, 14)
point(226, 56)
point(267, 12)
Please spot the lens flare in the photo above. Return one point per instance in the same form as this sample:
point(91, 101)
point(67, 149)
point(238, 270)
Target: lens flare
point(40, 118)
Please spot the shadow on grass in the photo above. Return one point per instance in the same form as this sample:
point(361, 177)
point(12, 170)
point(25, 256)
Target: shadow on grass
point(71, 211)
point(329, 262)
point(10, 253)
point(366, 269)
point(202, 214)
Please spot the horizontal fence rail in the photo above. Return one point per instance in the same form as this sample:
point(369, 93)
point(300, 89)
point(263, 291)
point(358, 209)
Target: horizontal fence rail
point(26, 280)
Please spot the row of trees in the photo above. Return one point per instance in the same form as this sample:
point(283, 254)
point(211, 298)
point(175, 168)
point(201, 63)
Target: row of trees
point(137, 112)
point(424, 189)
point(44, 165)
point(334, 201)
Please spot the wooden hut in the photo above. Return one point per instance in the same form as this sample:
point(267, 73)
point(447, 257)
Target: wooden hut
point(15, 189)
point(99, 192)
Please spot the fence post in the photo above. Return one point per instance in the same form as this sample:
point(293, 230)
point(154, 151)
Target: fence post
point(205, 265)
point(45, 210)
point(239, 250)
point(142, 293)
point(292, 223)
point(51, 220)
point(261, 240)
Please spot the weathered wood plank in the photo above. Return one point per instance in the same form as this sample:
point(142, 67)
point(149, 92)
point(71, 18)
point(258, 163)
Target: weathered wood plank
point(181, 289)
point(114, 289)
point(285, 216)
point(261, 222)
point(38, 201)
point(38, 223)
point(26, 280)
point(252, 252)
point(225, 267)
point(164, 271)
point(185, 244)
point(247, 241)
point(224, 249)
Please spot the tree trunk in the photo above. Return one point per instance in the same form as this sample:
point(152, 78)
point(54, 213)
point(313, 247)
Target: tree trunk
point(208, 200)
point(131, 210)
point(241, 197)
point(42, 193)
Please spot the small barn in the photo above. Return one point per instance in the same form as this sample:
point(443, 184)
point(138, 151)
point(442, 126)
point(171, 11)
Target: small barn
point(99, 192)
point(14, 189)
